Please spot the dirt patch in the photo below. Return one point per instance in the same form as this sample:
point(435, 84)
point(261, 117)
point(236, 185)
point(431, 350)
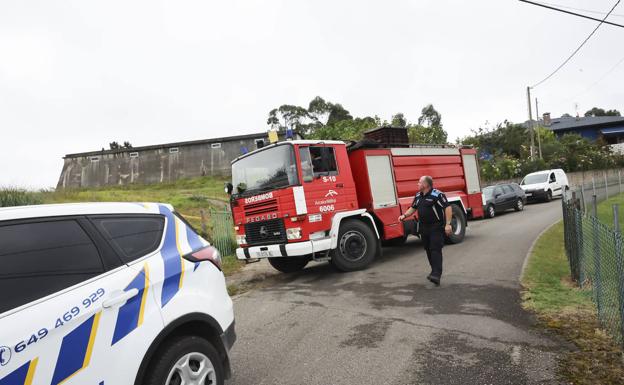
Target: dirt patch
point(596, 359)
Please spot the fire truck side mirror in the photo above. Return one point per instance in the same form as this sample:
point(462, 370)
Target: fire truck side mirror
point(228, 188)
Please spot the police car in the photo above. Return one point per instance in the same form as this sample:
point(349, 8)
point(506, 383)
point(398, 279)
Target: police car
point(110, 294)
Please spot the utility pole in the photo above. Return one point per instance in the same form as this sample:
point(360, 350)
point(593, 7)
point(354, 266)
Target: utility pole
point(531, 124)
point(539, 141)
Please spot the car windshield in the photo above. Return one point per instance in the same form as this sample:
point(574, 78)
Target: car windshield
point(488, 192)
point(533, 179)
point(265, 170)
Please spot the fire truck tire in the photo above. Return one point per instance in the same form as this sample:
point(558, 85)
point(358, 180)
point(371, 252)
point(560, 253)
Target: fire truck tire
point(289, 264)
point(458, 224)
point(357, 246)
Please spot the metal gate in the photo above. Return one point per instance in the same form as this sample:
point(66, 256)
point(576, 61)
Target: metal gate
point(221, 232)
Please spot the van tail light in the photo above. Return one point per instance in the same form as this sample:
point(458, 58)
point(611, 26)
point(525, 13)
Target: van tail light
point(210, 254)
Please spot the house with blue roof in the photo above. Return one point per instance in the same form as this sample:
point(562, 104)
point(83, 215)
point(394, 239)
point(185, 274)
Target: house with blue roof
point(608, 128)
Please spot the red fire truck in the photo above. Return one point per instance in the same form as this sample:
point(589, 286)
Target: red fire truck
point(303, 200)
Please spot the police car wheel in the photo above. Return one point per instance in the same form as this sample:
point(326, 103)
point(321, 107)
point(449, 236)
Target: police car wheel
point(289, 264)
point(186, 360)
point(357, 246)
point(458, 226)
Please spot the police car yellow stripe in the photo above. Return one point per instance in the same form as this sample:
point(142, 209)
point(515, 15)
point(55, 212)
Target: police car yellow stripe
point(179, 247)
point(96, 323)
point(31, 371)
point(131, 314)
point(76, 350)
point(22, 375)
point(144, 296)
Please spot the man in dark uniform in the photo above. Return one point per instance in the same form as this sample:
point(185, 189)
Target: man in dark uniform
point(434, 219)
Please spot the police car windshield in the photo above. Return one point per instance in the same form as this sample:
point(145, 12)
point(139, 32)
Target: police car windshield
point(533, 179)
point(268, 169)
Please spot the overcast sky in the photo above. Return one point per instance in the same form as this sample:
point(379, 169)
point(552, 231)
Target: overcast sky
point(76, 75)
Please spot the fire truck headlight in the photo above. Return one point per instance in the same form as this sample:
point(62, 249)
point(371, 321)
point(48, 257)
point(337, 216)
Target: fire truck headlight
point(294, 233)
point(241, 239)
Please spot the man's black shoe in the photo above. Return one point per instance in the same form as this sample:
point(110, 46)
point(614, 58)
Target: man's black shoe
point(434, 280)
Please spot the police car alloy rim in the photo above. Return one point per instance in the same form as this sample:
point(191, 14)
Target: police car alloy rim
point(353, 245)
point(192, 369)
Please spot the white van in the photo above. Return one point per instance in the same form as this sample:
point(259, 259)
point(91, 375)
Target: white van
point(544, 185)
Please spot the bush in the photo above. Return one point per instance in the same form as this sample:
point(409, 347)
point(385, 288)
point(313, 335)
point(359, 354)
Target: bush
point(17, 197)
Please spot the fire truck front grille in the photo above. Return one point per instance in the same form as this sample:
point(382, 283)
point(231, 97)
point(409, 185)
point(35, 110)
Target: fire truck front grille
point(261, 208)
point(265, 232)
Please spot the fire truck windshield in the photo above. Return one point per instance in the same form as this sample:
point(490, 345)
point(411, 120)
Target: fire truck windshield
point(268, 169)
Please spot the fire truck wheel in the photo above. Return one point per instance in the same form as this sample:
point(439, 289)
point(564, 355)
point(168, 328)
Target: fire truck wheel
point(289, 264)
point(458, 224)
point(357, 246)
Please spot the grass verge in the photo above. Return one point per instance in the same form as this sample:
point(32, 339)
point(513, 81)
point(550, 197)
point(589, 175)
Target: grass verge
point(605, 210)
point(562, 307)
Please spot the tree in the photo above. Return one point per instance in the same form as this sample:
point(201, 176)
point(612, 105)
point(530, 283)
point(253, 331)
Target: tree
point(430, 117)
point(600, 112)
point(319, 110)
point(287, 116)
point(345, 129)
point(338, 113)
point(426, 135)
point(398, 120)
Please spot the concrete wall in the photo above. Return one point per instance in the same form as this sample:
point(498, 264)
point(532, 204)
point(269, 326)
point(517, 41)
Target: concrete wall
point(153, 164)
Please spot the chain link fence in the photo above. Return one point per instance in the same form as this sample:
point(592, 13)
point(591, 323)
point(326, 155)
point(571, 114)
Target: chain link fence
point(594, 251)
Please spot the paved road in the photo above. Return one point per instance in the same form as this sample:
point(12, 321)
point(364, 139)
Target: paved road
point(387, 325)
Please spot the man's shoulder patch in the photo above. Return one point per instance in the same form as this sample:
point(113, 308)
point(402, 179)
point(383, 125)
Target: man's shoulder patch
point(436, 193)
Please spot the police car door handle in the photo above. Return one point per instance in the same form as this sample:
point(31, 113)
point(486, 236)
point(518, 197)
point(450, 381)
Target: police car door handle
point(119, 298)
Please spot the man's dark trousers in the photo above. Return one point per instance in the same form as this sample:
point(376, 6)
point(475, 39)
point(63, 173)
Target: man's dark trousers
point(433, 240)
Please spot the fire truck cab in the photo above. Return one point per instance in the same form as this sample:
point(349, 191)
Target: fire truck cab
point(302, 200)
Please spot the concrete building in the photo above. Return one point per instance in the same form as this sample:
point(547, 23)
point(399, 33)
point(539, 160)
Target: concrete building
point(157, 163)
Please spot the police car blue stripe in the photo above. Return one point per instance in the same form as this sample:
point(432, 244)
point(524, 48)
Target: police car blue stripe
point(130, 314)
point(193, 239)
point(171, 258)
point(75, 350)
point(20, 375)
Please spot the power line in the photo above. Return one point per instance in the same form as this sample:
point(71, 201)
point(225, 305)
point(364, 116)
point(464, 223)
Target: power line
point(599, 79)
point(583, 10)
point(576, 50)
point(602, 21)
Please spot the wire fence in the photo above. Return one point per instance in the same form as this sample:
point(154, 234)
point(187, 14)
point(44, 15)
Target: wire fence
point(594, 251)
